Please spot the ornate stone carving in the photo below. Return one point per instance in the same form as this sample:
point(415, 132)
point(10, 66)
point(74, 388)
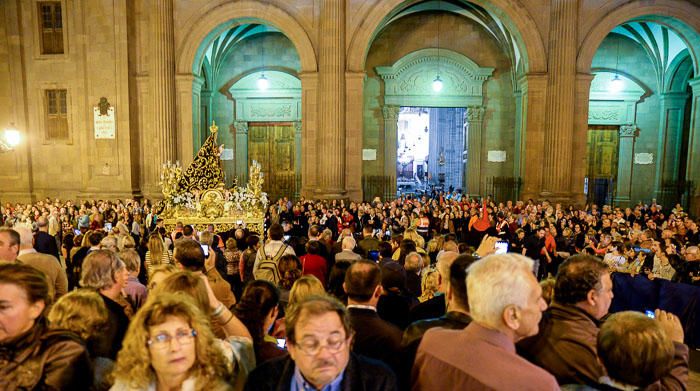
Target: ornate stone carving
point(603, 114)
point(271, 111)
point(241, 127)
point(297, 127)
point(628, 130)
point(474, 114)
point(391, 113)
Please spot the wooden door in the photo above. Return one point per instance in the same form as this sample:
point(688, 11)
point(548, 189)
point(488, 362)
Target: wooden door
point(272, 145)
point(603, 144)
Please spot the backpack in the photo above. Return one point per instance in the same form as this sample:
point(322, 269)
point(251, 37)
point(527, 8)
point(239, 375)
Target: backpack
point(267, 267)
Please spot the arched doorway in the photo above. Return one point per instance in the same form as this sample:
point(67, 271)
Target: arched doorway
point(503, 97)
point(652, 47)
point(272, 40)
point(409, 83)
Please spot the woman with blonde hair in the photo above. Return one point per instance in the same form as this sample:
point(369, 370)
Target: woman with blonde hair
point(429, 284)
point(305, 286)
point(81, 311)
point(149, 360)
point(156, 254)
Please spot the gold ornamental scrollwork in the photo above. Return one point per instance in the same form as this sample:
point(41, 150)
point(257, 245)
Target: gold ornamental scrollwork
point(198, 196)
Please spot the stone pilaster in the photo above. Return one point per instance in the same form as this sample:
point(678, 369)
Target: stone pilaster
point(309, 119)
point(625, 163)
point(474, 120)
point(391, 118)
point(518, 145)
point(671, 111)
point(534, 92)
point(297, 158)
point(579, 157)
point(693, 170)
point(331, 140)
point(241, 157)
point(556, 183)
point(164, 143)
point(199, 130)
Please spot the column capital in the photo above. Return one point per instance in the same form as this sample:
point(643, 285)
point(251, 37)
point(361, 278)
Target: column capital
point(695, 85)
point(241, 127)
point(391, 112)
point(474, 113)
point(629, 130)
point(297, 127)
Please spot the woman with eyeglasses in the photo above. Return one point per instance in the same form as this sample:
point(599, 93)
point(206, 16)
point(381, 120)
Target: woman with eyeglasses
point(169, 346)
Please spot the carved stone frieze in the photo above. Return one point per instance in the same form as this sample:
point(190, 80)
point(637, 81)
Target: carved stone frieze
point(474, 114)
point(391, 113)
point(628, 130)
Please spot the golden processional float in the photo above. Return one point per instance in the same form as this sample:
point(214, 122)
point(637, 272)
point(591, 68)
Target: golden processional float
point(199, 197)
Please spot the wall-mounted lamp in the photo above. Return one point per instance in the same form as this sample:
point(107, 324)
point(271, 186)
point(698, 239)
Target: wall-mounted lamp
point(10, 139)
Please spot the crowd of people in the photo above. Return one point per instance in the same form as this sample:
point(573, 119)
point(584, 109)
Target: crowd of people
point(440, 292)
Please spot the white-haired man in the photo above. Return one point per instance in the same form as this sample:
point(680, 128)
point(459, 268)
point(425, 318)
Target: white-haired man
point(506, 305)
point(347, 254)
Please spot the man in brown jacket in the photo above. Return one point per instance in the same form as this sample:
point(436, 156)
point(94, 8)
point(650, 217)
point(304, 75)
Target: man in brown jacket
point(566, 343)
point(48, 264)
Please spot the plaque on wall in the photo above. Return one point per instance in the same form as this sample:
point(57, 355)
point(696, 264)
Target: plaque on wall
point(227, 154)
point(103, 120)
point(369, 154)
point(496, 156)
point(643, 158)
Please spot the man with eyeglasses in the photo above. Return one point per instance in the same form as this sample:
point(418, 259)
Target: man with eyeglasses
point(319, 338)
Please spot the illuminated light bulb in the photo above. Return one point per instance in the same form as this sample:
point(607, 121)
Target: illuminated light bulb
point(616, 84)
point(437, 84)
point(263, 83)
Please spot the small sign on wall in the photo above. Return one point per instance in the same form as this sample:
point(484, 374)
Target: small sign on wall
point(227, 154)
point(496, 156)
point(643, 158)
point(369, 154)
point(103, 120)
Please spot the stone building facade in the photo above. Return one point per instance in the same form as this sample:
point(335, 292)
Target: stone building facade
point(527, 73)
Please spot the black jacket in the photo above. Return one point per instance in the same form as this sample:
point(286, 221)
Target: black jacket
point(361, 374)
point(45, 243)
point(375, 337)
point(429, 309)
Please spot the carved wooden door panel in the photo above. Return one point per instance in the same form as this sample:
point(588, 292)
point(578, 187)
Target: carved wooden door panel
point(272, 145)
point(602, 163)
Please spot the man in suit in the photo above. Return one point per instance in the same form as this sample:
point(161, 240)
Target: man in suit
point(49, 265)
point(374, 337)
point(43, 242)
point(347, 254)
point(319, 339)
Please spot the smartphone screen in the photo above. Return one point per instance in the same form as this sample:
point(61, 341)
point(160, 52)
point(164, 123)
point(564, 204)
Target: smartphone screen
point(281, 342)
point(501, 247)
point(108, 227)
point(650, 314)
point(205, 248)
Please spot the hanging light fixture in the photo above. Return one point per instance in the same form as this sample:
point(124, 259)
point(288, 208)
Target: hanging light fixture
point(263, 83)
point(616, 83)
point(437, 82)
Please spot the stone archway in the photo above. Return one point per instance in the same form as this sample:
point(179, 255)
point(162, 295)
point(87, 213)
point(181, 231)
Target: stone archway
point(516, 17)
point(408, 82)
point(203, 27)
point(678, 16)
point(532, 80)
